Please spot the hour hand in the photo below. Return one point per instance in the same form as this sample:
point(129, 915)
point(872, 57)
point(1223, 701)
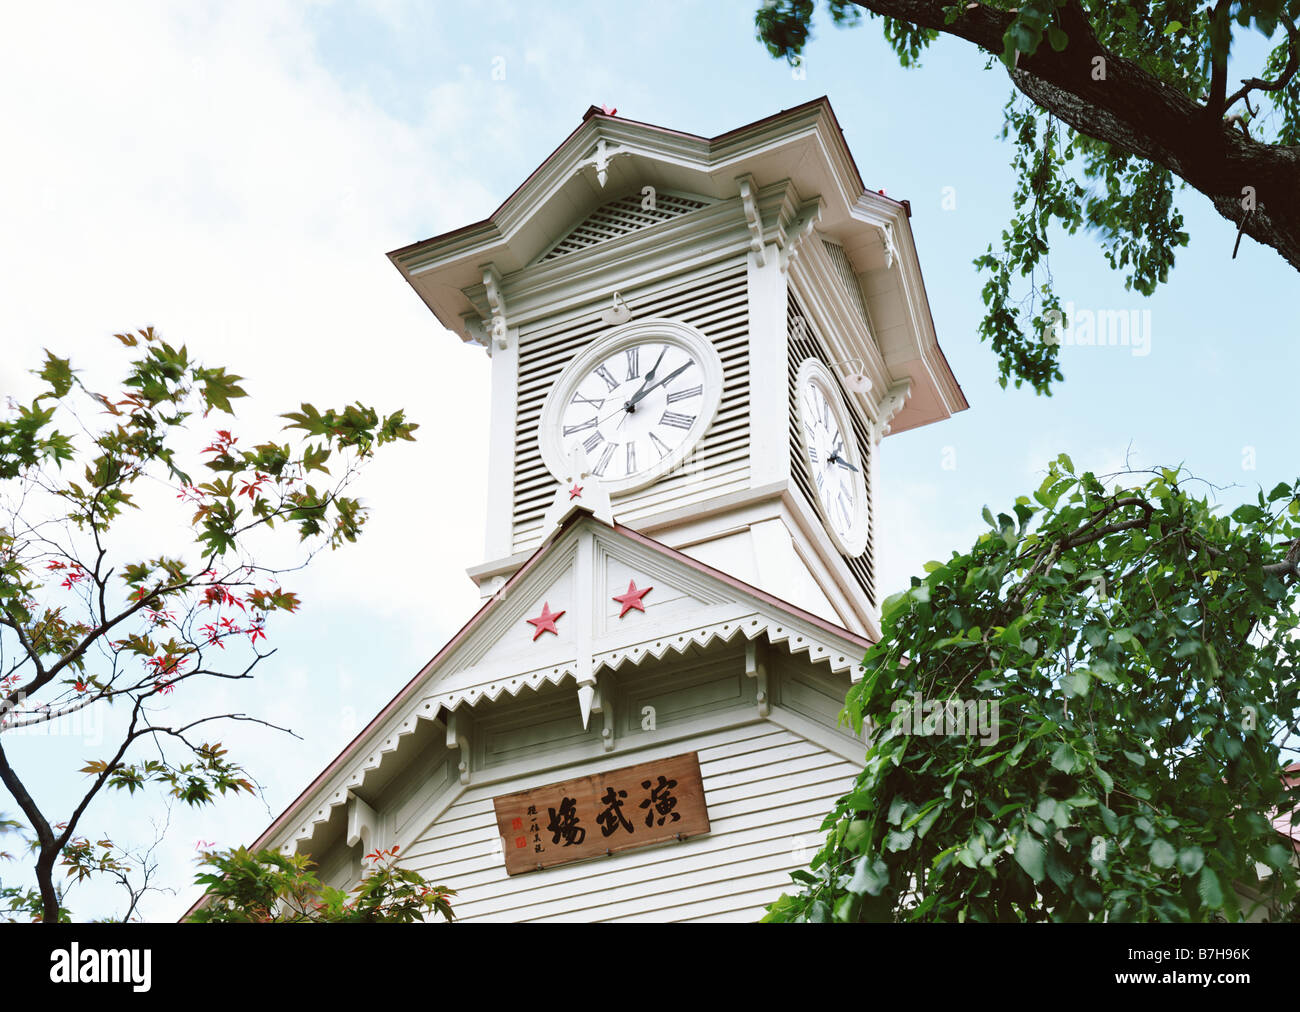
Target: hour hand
point(663, 382)
point(835, 458)
point(649, 379)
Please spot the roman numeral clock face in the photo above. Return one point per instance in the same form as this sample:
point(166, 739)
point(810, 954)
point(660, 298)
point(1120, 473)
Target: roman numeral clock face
point(834, 463)
point(636, 402)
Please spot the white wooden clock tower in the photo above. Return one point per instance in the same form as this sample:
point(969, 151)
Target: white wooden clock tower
point(697, 345)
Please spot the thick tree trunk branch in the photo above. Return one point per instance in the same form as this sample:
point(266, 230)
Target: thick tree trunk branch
point(1138, 113)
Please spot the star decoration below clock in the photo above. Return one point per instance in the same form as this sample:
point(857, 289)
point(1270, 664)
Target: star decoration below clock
point(546, 621)
point(575, 492)
point(632, 599)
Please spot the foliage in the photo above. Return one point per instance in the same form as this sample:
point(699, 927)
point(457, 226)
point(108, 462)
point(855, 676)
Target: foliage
point(266, 886)
point(1105, 159)
point(1142, 652)
point(87, 620)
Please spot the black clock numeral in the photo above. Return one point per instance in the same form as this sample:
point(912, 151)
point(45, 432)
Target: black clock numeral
point(681, 395)
point(569, 430)
point(631, 457)
point(607, 376)
point(604, 459)
point(677, 421)
point(820, 477)
point(593, 441)
point(596, 403)
point(845, 508)
point(812, 455)
point(633, 367)
point(663, 450)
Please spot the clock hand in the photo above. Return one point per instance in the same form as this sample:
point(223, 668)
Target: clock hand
point(663, 382)
point(649, 378)
point(835, 458)
point(628, 405)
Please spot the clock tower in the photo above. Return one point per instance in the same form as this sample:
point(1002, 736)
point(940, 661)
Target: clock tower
point(697, 345)
point(721, 329)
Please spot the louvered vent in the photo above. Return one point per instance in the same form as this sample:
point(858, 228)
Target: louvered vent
point(845, 271)
point(619, 217)
point(712, 300)
point(804, 343)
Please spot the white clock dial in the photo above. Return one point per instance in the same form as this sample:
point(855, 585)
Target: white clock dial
point(834, 463)
point(634, 409)
point(635, 403)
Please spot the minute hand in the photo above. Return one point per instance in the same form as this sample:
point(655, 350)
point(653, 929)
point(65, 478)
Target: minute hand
point(667, 379)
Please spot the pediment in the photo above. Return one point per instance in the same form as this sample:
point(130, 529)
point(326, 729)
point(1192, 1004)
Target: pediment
point(577, 578)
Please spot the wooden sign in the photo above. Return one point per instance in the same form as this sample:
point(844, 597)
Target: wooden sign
point(602, 813)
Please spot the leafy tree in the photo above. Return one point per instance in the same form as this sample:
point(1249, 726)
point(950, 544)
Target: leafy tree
point(264, 887)
point(1142, 652)
point(1117, 105)
point(88, 621)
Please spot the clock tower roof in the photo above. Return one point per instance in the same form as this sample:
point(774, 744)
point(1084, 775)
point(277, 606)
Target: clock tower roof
point(460, 274)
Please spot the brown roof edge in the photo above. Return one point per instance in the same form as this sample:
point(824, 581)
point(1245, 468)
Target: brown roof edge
point(595, 112)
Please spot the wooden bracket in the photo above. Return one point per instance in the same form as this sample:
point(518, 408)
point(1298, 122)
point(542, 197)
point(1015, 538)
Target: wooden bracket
point(604, 705)
point(458, 739)
point(793, 233)
point(756, 668)
point(891, 247)
point(749, 196)
point(362, 820)
point(497, 326)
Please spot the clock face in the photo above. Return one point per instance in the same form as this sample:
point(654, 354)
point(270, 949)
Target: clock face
point(636, 403)
point(833, 458)
point(634, 409)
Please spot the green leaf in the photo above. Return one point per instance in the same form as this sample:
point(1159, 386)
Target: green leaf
point(1208, 888)
point(1190, 860)
point(870, 876)
point(1031, 855)
point(1064, 758)
point(1162, 853)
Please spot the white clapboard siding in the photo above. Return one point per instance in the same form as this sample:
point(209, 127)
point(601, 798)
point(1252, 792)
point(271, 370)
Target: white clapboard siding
point(767, 791)
point(713, 299)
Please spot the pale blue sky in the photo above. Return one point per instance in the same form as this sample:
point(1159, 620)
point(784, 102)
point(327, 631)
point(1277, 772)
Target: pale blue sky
point(239, 183)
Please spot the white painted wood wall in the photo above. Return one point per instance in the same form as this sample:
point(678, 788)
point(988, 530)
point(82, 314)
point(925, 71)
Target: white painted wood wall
point(767, 791)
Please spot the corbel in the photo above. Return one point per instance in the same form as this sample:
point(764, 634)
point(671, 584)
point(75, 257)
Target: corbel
point(756, 668)
point(891, 247)
point(478, 333)
point(496, 304)
point(362, 820)
point(458, 740)
point(797, 232)
point(749, 198)
point(890, 405)
point(604, 705)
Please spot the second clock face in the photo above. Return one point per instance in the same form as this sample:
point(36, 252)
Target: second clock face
point(634, 409)
point(636, 402)
point(833, 458)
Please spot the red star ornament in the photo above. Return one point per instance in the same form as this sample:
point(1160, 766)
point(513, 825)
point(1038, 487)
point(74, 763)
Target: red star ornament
point(632, 599)
point(546, 621)
point(575, 492)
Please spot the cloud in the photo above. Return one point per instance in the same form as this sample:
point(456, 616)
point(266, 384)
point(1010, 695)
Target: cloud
point(203, 170)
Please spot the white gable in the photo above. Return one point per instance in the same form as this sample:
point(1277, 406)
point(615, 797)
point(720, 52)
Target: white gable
point(500, 654)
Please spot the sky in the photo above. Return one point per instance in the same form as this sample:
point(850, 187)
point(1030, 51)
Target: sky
point(233, 174)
